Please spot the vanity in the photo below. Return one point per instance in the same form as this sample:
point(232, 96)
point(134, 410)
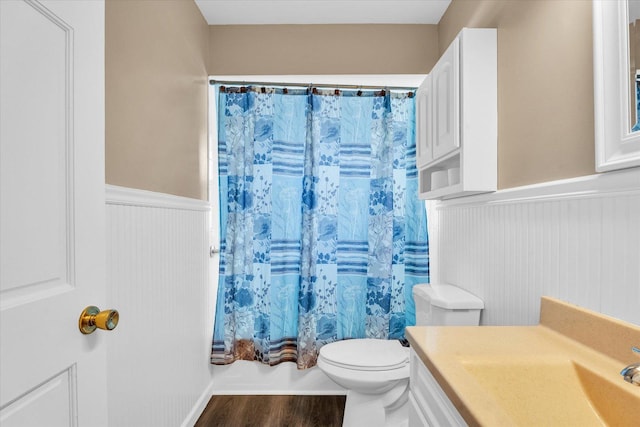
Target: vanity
point(563, 371)
point(576, 367)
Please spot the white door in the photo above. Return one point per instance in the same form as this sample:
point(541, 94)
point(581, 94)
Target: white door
point(52, 259)
point(446, 101)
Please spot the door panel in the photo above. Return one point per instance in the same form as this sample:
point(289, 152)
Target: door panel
point(424, 136)
point(33, 176)
point(51, 212)
point(446, 98)
point(51, 401)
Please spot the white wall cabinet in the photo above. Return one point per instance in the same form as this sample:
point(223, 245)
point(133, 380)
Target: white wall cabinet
point(456, 119)
point(428, 404)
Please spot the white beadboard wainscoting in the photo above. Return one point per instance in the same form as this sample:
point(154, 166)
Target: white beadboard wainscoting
point(163, 282)
point(158, 278)
point(577, 240)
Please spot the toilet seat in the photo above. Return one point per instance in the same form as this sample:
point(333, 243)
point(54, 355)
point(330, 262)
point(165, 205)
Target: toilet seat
point(366, 354)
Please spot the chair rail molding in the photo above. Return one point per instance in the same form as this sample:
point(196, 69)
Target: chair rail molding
point(626, 181)
point(116, 195)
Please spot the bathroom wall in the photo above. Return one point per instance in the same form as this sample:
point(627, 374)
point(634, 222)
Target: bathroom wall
point(577, 240)
point(158, 277)
point(545, 84)
point(568, 232)
point(157, 54)
point(507, 250)
point(158, 267)
point(545, 71)
point(156, 96)
point(322, 49)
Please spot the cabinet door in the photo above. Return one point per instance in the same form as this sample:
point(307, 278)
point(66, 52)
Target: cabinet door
point(429, 400)
point(416, 417)
point(445, 91)
point(424, 136)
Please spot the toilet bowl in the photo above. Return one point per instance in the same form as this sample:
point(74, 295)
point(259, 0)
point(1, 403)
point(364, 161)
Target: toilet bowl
point(376, 372)
point(376, 375)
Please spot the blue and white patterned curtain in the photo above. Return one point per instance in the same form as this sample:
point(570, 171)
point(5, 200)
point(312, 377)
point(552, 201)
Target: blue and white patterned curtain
point(322, 232)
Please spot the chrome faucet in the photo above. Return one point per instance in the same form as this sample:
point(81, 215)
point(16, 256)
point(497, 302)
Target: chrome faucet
point(631, 373)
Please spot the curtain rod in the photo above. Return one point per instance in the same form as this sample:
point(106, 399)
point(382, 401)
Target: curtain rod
point(307, 85)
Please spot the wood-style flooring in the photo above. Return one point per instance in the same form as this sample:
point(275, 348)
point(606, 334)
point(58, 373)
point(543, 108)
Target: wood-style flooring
point(273, 411)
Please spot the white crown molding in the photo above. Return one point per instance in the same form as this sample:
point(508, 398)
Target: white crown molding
point(115, 195)
point(626, 181)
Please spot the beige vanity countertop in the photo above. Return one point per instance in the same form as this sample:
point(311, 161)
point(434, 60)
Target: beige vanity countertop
point(535, 375)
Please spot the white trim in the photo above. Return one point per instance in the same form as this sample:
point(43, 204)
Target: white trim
point(280, 392)
point(199, 406)
point(616, 146)
point(115, 195)
point(621, 182)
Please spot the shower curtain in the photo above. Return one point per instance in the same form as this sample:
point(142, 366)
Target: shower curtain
point(322, 233)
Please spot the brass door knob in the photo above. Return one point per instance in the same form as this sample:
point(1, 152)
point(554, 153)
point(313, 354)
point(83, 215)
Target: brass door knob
point(92, 318)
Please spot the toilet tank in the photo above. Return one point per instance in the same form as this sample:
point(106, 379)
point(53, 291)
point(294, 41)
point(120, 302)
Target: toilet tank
point(446, 305)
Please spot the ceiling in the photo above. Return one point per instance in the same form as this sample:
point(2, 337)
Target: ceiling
point(238, 12)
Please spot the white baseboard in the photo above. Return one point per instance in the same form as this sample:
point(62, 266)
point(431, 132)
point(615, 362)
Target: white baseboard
point(199, 406)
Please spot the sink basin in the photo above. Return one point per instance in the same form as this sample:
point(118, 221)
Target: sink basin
point(617, 403)
point(556, 392)
point(563, 372)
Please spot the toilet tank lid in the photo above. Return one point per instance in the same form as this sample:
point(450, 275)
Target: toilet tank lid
point(448, 297)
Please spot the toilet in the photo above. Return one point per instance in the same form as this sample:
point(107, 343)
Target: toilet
point(376, 372)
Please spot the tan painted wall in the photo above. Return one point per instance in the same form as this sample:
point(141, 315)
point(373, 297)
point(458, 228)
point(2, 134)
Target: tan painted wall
point(545, 84)
point(156, 55)
point(322, 49)
point(156, 96)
